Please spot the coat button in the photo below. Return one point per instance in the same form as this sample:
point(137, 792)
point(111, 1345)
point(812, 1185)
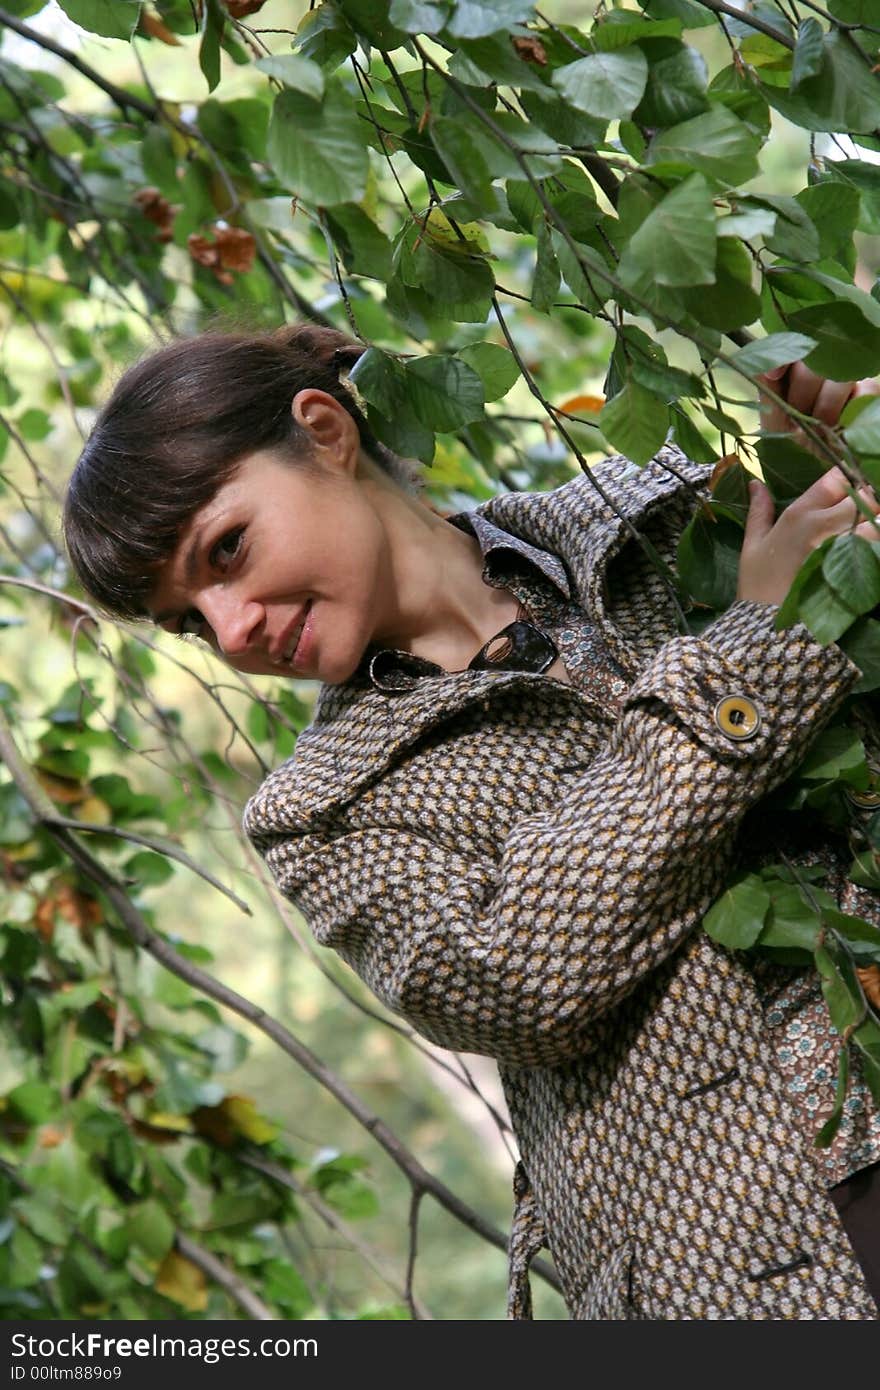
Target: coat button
point(737, 717)
point(866, 800)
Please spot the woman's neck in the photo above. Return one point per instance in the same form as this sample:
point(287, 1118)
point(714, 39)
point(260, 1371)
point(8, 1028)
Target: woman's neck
point(436, 603)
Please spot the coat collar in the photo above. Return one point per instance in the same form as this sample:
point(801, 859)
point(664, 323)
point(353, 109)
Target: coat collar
point(358, 730)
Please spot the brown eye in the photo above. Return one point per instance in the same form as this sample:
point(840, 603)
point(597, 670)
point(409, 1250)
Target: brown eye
point(224, 552)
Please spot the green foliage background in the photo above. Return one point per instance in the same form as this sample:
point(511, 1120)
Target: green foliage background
point(562, 233)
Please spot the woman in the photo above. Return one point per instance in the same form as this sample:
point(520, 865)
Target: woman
point(521, 790)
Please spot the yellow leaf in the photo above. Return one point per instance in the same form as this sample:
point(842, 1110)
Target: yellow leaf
point(465, 239)
point(245, 1117)
point(94, 810)
point(161, 1120)
point(179, 1279)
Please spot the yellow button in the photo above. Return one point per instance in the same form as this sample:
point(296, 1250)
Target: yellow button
point(737, 717)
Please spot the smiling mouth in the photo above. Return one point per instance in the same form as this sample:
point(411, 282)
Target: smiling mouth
point(287, 655)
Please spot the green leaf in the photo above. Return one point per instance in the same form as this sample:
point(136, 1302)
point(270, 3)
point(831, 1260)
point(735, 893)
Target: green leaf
point(213, 22)
point(689, 439)
point(546, 109)
point(730, 302)
point(160, 161)
point(676, 243)
point(788, 468)
point(856, 11)
point(717, 144)
point(852, 567)
point(737, 919)
point(495, 366)
point(443, 392)
point(419, 16)
point(864, 435)
point(848, 346)
point(808, 53)
point(636, 422)
point(472, 19)
point(26, 1259)
point(147, 868)
point(794, 235)
point(823, 611)
point(465, 160)
point(380, 378)
point(151, 1229)
point(294, 71)
point(832, 1124)
point(284, 1284)
point(324, 36)
point(585, 273)
point(692, 15)
point(836, 751)
point(776, 350)
point(317, 147)
point(363, 247)
point(35, 1101)
point(861, 937)
point(675, 90)
point(793, 924)
point(112, 19)
point(840, 986)
point(844, 96)
point(862, 645)
point(547, 278)
point(604, 84)
point(708, 558)
point(866, 1040)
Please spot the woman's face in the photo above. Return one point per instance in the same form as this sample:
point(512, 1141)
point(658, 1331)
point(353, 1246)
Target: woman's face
point(286, 569)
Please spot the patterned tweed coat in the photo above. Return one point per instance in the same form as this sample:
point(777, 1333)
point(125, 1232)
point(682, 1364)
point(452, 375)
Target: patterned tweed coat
point(520, 872)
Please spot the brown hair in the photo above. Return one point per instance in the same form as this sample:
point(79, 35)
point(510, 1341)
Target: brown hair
point(176, 428)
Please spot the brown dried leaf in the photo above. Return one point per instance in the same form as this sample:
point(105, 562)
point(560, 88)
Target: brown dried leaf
point(869, 978)
point(723, 466)
point(157, 210)
point(531, 50)
point(44, 919)
point(239, 9)
point(63, 789)
point(237, 248)
point(582, 405)
point(152, 26)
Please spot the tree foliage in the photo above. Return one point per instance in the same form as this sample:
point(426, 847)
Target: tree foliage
point(559, 236)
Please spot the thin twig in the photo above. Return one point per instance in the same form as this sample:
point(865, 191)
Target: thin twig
point(228, 1280)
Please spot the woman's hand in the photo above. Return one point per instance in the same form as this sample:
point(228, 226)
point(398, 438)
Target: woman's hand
point(773, 551)
point(810, 394)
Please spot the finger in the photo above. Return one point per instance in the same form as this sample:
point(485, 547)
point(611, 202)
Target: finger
point(761, 514)
point(772, 416)
point(824, 493)
point(868, 386)
point(832, 397)
point(803, 387)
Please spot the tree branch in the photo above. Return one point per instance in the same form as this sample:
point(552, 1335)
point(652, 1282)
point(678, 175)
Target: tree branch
point(124, 100)
point(221, 1274)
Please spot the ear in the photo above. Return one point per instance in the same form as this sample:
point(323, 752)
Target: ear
point(333, 432)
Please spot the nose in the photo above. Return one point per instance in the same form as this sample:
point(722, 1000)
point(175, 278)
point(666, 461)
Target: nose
point(235, 620)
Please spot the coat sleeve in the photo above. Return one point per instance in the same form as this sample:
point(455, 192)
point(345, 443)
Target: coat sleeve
point(517, 957)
